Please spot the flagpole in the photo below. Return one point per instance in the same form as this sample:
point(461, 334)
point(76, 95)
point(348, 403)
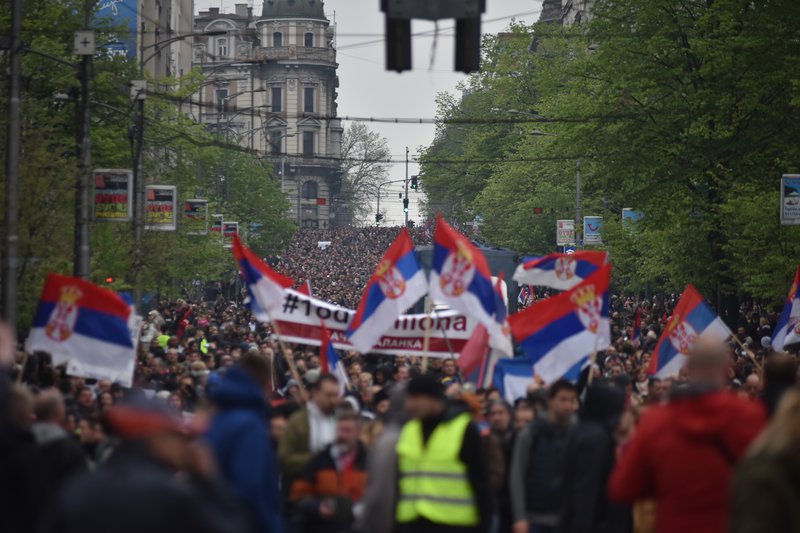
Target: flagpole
point(292, 368)
point(593, 360)
point(746, 350)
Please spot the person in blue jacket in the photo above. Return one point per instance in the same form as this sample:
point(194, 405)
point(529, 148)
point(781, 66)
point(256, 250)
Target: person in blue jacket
point(239, 437)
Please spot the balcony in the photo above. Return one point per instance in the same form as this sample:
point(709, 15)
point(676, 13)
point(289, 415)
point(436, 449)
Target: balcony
point(297, 53)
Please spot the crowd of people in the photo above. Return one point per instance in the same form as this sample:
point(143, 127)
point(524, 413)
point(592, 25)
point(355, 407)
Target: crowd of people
point(228, 429)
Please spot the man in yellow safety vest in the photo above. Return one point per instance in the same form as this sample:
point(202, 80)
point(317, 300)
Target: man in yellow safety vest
point(443, 483)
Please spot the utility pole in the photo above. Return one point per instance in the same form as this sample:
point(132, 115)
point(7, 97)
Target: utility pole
point(406, 187)
point(84, 47)
point(10, 259)
point(578, 221)
point(138, 94)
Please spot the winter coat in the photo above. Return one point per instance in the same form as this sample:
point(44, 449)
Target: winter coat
point(239, 437)
point(766, 491)
point(62, 456)
point(683, 455)
point(133, 492)
point(294, 449)
point(23, 483)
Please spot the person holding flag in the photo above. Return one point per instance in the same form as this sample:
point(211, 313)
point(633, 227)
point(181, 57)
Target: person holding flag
point(786, 330)
point(397, 283)
point(330, 362)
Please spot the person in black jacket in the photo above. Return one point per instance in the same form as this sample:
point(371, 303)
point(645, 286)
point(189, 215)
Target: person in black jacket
point(62, 456)
point(589, 457)
point(137, 490)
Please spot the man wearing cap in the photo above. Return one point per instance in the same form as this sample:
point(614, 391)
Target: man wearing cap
point(443, 484)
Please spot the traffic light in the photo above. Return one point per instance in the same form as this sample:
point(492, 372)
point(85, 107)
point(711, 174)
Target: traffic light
point(414, 182)
point(405, 205)
point(109, 280)
point(378, 217)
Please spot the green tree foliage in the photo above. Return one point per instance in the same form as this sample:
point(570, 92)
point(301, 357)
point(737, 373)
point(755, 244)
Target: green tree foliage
point(686, 111)
point(178, 151)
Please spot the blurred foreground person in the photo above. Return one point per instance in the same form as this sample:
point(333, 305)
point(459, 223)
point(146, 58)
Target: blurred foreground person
point(589, 457)
point(240, 440)
point(328, 492)
point(683, 453)
point(137, 490)
point(765, 486)
point(443, 484)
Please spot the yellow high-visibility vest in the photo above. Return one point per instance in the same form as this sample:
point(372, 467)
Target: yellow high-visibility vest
point(433, 481)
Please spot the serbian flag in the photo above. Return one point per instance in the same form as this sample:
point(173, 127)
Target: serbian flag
point(265, 287)
point(691, 320)
point(474, 355)
point(461, 279)
point(330, 362)
point(524, 294)
point(77, 320)
point(557, 333)
point(636, 333)
point(786, 330)
point(397, 283)
point(559, 271)
point(305, 288)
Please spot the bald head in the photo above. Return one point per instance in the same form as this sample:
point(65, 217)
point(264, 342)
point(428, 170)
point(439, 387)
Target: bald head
point(708, 363)
point(49, 406)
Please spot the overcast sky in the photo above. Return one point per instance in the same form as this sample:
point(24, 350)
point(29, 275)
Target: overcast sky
point(368, 90)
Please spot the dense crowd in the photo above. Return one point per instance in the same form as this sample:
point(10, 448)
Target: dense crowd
point(227, 429)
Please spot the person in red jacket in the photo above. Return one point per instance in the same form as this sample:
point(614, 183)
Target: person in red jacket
point(683, 453)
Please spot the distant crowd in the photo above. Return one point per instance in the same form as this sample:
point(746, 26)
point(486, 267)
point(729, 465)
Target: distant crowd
point(263, 440)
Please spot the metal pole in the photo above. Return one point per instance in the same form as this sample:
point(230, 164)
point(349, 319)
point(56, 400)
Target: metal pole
point(81, 266)
point(406, 186)
point(138, 204)
point(578, 222)
point(378, 208)
point(10, 259)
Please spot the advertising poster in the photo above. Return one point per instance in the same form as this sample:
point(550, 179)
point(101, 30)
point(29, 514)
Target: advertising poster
point(195, 217)
point(160, 206)
point(565, 232)
point(113, 195)
point(591, 230)
point(790, 199)
point(229, 229)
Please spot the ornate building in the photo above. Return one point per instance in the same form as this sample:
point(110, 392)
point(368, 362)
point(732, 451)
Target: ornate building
point(270, 85)
point(567, 12)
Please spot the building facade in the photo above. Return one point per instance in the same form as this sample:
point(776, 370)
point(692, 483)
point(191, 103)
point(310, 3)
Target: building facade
point(567, 12)
point(164, 37)
point(270, 86)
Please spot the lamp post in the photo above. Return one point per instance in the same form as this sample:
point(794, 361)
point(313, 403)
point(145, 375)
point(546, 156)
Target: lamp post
point(378, 208)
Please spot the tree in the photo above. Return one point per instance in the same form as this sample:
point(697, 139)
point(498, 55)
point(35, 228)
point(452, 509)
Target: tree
point(364, 168)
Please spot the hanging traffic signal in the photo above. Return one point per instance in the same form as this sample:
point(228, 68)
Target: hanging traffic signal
point(109, 280)
point(405, 205)
point(414, 182)
point(378, 217)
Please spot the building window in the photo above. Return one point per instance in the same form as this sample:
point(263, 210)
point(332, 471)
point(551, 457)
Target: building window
point(308, 99)
point(309, 215)
point(222, 47)
point(310, 190)
point(308, 143)
point(277, 100)
point(222, 100)
point(277, 39)
point(309, 39)
point(276, 142)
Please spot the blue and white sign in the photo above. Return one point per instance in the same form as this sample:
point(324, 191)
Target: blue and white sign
point(591, 230)
point(630, 215)
point(120, 14)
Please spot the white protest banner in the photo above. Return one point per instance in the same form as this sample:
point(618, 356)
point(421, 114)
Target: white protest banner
point(299, 320)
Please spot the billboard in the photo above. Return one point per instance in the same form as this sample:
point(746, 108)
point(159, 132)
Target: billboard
point(565, 232)
point(591, 230)
point(631, 215)
point(121, 15)
point(160, 206)
point(113, 195)
point(229, 229)
point(216, 224)
point(195, 217)
point(790, 199)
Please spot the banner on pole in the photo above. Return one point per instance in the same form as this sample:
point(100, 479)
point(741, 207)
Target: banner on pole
point(790, 199)
point(591, 230)
point(229, 229)
point(160, 205)
point(113, 195)
point(195, 217)
point(565, 232)
point(300, 318)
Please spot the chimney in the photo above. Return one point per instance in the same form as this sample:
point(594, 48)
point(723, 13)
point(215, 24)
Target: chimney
point(241, 10)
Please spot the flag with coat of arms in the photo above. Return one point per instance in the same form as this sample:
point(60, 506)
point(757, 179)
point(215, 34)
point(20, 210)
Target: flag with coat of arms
point(559, 271)
point(265, 287)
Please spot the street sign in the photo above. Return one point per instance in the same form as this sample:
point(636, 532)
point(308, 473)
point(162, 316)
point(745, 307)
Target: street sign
point(112, 195)
point(565, 232)
point(160, 207)
point(83, 45)
point(631, 215)
point(591, 230)
point(790, 199)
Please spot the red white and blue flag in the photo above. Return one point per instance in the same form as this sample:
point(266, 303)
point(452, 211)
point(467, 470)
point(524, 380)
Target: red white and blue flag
point(787, 330)
point(557, 333)
point(559, 271)
point(691, 320)
point(77, 320)
point(330, 362)
point(636, 333)
point(397, 283)
point(524, 295)
point(265, 287)
point(461, 279)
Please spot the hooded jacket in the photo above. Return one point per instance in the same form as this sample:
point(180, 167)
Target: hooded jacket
point(683, 455)
point(239, 438)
